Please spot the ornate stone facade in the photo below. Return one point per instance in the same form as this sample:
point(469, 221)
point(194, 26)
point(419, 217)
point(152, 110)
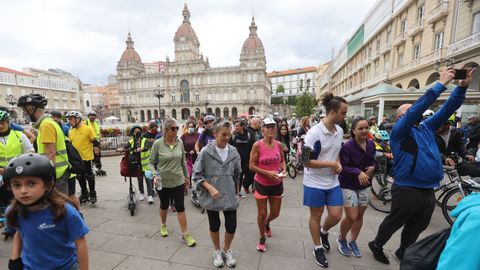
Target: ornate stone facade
point(189, 86)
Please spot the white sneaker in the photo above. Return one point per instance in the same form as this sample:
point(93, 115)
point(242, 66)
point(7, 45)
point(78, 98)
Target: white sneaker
point(141, 197)
point(217, 259)
point(229, 259)
point(150, 199)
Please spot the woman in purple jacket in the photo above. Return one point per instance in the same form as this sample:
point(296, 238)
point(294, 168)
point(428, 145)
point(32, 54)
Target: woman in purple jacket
point(357, 157)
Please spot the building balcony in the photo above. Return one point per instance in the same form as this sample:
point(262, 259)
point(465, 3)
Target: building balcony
point(426, 60)
point(400, 39)
point(467, 44)
point(416, 28)
point(385, 48)
point(376, 55)
point(438, 13)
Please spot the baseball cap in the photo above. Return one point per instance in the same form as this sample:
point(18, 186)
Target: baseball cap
point(268, 121)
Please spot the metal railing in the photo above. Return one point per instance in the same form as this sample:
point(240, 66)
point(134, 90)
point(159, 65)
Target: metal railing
point(114, 142)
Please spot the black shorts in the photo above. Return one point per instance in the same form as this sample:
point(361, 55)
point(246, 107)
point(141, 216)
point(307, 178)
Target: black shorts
point(270, 191)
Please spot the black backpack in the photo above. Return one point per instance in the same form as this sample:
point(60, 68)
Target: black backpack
point(74, 158)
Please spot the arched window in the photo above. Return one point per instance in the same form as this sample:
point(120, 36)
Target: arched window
point(174, 113)
point(218, 112)
point(234, 112)
point(225, 113)
point(414, 83)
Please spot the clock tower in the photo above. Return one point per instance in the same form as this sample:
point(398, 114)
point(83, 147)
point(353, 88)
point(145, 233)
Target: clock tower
point(187, 46)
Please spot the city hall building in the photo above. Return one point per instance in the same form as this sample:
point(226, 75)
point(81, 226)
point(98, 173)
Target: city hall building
point(188, 85)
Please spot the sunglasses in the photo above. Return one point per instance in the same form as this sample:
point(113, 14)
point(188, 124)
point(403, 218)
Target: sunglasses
point(269, 126)
point(174, 128)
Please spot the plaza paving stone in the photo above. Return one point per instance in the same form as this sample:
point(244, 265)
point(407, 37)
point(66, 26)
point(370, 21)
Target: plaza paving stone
point(119, 241)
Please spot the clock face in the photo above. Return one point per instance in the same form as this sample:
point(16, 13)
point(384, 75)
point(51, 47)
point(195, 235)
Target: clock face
point(184, 84)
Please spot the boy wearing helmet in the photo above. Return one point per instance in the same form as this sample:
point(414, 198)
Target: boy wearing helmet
point(84, 139)
point(53, 235)
point(50, 139)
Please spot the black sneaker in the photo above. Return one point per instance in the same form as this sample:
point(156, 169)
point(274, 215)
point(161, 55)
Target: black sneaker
point(325, 243)
point(378, 253)
point(320, 258)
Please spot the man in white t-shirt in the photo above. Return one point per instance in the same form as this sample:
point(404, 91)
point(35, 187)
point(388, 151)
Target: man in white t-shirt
point(320, 182)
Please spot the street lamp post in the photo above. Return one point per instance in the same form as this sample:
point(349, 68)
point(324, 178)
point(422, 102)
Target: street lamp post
point(10, 99)
point(206, 107)
point(159, 94)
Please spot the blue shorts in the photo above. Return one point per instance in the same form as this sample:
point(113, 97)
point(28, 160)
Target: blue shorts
point(316, 197)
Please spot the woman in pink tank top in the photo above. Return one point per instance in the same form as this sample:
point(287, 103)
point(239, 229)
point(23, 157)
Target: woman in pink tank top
point(268, 164)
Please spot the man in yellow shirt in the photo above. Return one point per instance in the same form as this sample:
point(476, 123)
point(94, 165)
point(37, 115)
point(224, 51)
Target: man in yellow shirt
point(83, 139)
point(50, 139)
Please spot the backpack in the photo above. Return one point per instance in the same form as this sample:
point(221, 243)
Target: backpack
point(74, 158)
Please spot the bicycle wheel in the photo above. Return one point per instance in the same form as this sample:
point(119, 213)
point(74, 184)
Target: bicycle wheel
point(451, 200)
point(292, 172)
point(380, 196)
point(131, 207)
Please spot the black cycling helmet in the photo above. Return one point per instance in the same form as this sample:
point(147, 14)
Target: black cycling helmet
point(36, 100)
point(31, 164)
point(56, 113)
point(132, 129)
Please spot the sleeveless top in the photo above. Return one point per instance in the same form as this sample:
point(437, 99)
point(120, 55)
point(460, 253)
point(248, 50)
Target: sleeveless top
point(268, 159)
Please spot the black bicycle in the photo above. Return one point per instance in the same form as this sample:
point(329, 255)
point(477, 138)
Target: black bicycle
point(380, 191)
point(462, 187)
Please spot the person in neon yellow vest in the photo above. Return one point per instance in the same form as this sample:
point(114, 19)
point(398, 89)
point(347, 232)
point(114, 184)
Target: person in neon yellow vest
point(12, 144)
point(50, 141)
point(97, 155)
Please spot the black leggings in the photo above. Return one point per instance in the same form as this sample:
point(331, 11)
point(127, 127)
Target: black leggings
point(87, 176)
point(176, 193)
point(230, 220)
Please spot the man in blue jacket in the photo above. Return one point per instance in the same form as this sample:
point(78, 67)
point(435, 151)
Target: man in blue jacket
point(418, 166)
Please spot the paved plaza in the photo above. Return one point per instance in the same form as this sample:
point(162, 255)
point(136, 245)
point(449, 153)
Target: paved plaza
point(120, 241)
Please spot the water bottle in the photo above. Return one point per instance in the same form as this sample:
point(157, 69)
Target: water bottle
point(158, 185)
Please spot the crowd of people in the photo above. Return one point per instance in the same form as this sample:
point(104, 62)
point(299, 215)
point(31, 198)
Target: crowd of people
point(221, 161)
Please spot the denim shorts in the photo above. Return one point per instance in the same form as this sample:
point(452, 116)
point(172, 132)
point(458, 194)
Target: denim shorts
point(317, 197)
point(354, 198)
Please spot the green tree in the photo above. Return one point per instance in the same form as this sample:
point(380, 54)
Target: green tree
point(276, 100)
point(280, 89)
point(292, 100)
point(305, 104)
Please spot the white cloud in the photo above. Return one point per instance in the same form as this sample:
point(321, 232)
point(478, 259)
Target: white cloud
point(87, 37)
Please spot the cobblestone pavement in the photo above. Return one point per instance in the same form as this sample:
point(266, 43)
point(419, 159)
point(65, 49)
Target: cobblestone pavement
point(120, 241)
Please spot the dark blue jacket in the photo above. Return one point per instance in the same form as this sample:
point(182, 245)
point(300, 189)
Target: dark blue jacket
point(416, 155)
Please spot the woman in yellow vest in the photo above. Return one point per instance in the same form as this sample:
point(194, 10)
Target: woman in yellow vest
point(137, 146)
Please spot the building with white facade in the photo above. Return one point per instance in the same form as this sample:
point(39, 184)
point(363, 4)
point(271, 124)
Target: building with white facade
point(398, 50)
point(189, 86)
point(294, 81)
point(61, 88)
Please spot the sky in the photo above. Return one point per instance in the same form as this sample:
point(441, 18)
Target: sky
point(87, 38)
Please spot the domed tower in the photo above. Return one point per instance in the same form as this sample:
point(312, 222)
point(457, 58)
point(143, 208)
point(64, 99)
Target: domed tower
point(253, 54)
point(187, 47)
point(130, 63)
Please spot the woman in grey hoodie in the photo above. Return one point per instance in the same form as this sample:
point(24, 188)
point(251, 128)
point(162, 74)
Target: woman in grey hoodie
point(216, 175)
